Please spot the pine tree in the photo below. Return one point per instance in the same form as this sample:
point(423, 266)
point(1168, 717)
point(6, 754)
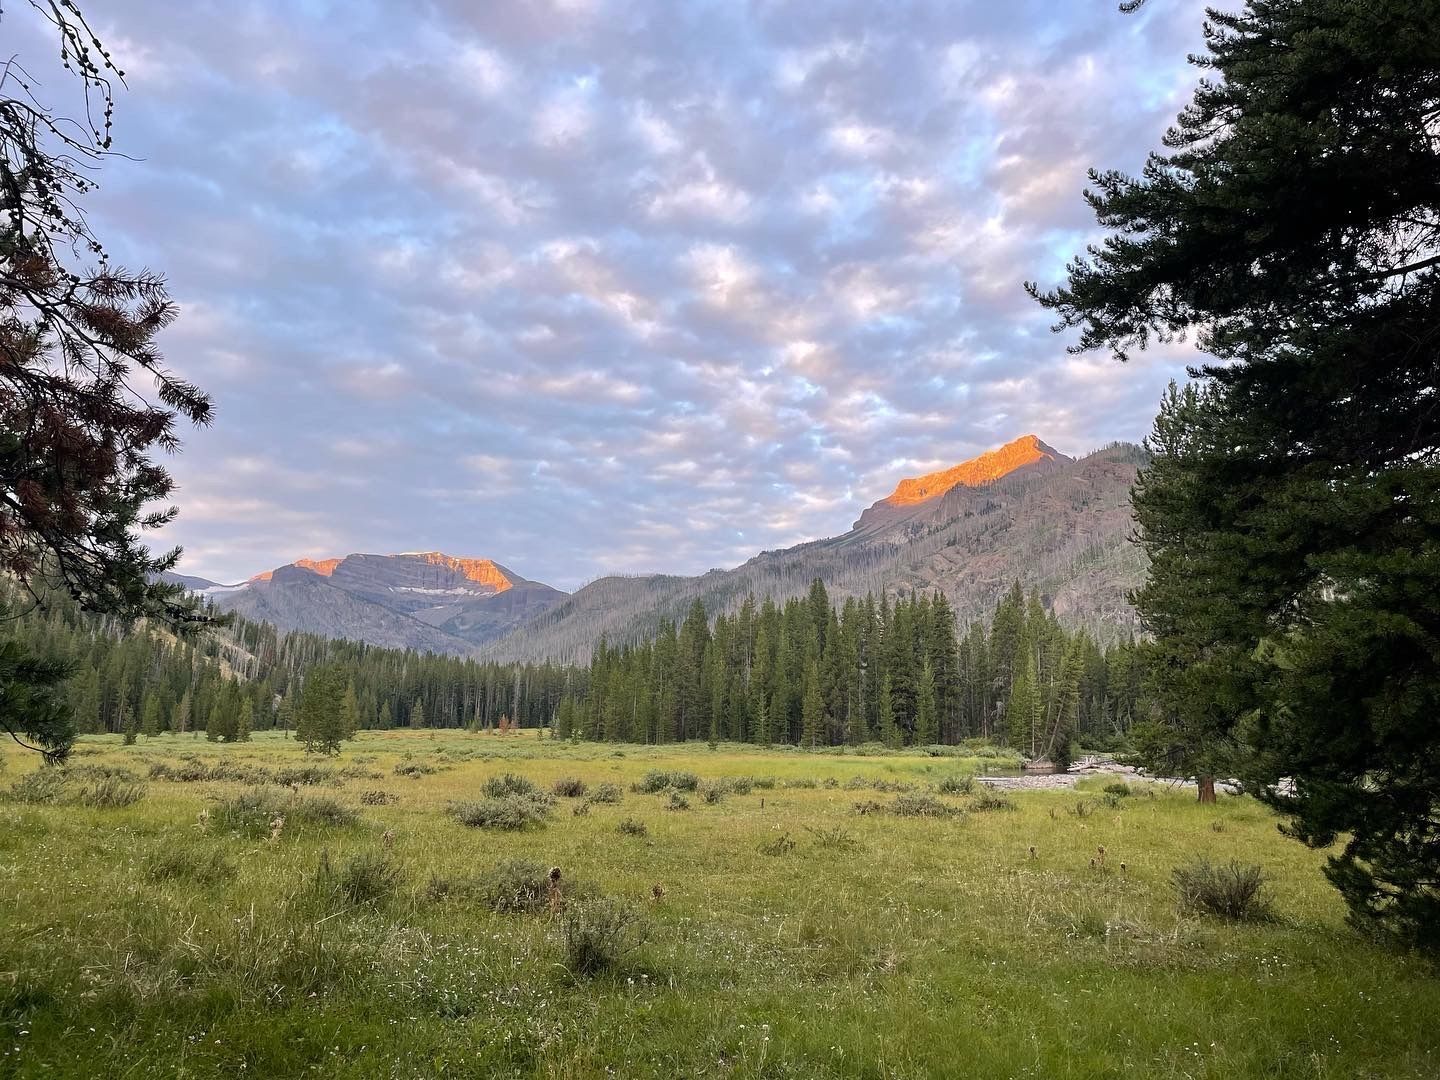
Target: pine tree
point(245, 723)
point(321, 720)
point(129, 724)
point(889, 730)
point(417, 713)
point(1023, 710)
point(1313, 479)
point(351, 710)
point(813, 709)
point(926, 728)
point(150, 715)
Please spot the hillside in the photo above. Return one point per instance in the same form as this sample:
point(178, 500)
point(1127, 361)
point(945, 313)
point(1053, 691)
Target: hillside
point(1024, 512)
point(418, 600)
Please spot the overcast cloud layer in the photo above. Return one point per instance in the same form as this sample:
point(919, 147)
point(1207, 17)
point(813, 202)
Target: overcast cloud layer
point(595, 286)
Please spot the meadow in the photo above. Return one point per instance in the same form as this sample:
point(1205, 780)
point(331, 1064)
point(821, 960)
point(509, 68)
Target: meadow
point(183, 908)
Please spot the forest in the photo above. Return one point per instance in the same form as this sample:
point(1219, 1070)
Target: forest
point(901, 672)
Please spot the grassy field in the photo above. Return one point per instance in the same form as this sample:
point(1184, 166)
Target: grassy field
point(788, 933)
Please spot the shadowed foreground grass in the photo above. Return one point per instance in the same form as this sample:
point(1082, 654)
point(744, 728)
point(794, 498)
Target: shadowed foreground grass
point(145, 940)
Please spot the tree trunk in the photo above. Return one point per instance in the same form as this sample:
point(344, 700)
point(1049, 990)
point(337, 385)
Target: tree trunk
point(1207, 789)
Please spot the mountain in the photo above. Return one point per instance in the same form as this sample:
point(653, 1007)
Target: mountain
point(420, 599)
point(1024, 511)
point(918, 497)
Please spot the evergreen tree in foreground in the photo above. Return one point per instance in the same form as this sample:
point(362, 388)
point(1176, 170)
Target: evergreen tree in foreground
point(1292, 515)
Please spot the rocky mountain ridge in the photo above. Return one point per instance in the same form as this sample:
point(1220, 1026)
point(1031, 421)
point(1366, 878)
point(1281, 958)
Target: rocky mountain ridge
point(1022, 511)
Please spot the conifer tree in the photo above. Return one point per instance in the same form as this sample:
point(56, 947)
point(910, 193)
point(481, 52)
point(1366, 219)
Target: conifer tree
point(926, 731)
point(812, 709)
point(1294, 222)
point(889, 730)
point(245, 722)
point(150, 715)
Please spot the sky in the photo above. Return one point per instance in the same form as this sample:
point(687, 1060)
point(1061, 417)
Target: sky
point(602, 286)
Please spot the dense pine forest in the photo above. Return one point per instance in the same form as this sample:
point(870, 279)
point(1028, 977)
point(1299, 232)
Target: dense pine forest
point(902, 672)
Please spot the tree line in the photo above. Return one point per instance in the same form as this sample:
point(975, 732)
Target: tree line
point(905, 673)
point(804, 672)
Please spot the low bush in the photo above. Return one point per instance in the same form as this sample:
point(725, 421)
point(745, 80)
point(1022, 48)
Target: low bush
point(834, 838)
point(605, 793)
point(598, 935)
point(376, 797)
point(868, 806)
point(1233, 891)
point(712, 793)
point(677, 802)
point(956, 785)
point(368, 878)
point(568, 787)
point(913, 804)
point(497, 787)
point(632, 827)
point(800, 782)
point(511, 812)
point(781, 845)
point(1119, 789)
point(413, 769)
point(658, 780)
point(186, 862)
point(110, 793)
point(522, 886)
point(254, 812)
point(89, 785)
point(987, 799)
point(44, 786)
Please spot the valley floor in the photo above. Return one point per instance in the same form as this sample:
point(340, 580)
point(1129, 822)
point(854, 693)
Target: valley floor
point(790, 935)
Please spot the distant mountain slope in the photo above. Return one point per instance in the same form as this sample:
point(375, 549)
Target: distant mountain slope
point(1023, 512)
point(421, 600)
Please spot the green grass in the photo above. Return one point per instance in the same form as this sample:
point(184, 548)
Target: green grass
point(143, 941)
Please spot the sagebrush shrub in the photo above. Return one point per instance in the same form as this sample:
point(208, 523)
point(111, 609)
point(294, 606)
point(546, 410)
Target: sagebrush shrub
point(568, 787)
point(605, 793)
point(376, 797)
point(184, 862)
point(781, 845)
point(503, 812)
point(598, 935)
point(368, 878)
point(252, 813)
point(988, 799)
point(1231, 891)
point(632, 827)
point(657, 780)
point(45, 785)
point(677, 802)
point(498, 787)
point(914, 804)
point(834, 838)
point(110, 793)
point(956, 785)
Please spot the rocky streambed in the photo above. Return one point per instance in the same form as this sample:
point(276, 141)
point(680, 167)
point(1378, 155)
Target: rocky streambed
point(1041, 781)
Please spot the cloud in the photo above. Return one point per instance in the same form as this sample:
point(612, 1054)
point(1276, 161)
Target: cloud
point(610, 285)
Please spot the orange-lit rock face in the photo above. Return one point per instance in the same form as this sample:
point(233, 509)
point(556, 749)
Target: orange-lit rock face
point(323, 567)
point(985, 469)
point(480, 571)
